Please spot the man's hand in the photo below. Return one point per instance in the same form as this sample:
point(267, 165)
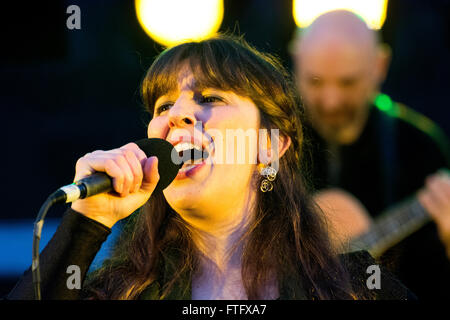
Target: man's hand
point(435, 198)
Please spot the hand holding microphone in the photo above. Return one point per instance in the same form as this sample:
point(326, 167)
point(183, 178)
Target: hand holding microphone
point(134, 177)
point(110, 185)
point(130, 175)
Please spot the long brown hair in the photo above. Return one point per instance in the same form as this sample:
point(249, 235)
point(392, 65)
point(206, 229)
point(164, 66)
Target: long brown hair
point(287, 236)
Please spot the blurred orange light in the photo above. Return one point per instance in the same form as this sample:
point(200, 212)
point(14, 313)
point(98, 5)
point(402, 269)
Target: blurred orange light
point(170, 22)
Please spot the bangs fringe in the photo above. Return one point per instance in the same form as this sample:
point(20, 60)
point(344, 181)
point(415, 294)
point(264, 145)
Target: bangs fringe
point(226, 66)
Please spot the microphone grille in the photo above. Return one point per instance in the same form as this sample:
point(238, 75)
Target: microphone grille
point(169, 162)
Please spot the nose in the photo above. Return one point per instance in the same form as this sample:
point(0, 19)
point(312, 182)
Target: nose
point(331, 99)
point(182, 114)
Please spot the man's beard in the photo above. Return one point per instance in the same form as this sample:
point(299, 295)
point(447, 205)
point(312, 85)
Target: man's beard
point(339, 127)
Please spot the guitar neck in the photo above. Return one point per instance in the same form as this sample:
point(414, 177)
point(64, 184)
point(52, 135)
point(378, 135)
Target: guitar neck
point(391, 227)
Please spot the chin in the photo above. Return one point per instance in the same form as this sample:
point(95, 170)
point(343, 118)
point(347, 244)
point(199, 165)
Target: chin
point(346, 137)
point(181, 199)
point(339, 135)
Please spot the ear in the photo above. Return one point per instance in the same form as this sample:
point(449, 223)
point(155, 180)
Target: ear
point(266, 155)
point(383, 60)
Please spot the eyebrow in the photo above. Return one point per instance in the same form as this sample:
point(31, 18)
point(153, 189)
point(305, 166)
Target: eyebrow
point(313, 76)
point(195, 88)
point(351, 77)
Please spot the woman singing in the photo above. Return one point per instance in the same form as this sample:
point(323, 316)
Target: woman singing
point(224, 228)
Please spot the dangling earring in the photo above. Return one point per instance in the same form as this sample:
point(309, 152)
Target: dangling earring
point(270, 174)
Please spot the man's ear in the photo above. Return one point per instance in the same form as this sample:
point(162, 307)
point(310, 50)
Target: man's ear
point(266, 155)
point(383, 61)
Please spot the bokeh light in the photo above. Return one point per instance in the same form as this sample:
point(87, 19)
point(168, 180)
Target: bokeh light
point(170, 22)
point(372, 11)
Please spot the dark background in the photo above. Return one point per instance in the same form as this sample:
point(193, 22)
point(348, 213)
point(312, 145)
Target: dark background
point(68, 92)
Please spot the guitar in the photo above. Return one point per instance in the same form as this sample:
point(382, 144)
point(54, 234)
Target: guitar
point(351, 227)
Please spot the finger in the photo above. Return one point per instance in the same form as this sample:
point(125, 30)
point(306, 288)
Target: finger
point(428, 203)
point(82, 168)
point(140, 155)
point(119, 151)
point(133, 155)
point(440, 190)
point(441, 219)
point(91, 163)
point(88, 165)
point(151, 174)
point(128, 177)
point(136, 169)
point(115, 172)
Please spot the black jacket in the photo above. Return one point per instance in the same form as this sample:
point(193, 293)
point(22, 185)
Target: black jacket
point(78, 239)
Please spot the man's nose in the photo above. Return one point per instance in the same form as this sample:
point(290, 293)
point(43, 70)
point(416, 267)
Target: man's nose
point(182, 114)
point(331, 99)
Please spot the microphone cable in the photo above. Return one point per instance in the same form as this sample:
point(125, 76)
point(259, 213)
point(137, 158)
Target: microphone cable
point(55, 197)
point(169, 162)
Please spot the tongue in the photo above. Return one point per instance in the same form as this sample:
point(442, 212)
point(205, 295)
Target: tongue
point(193, 154)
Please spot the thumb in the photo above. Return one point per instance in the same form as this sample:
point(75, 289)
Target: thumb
point(151, 174)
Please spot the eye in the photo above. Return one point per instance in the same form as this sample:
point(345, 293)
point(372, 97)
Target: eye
point(348, 82)
point(163, 107)
point(210, 99)
point(315, 81)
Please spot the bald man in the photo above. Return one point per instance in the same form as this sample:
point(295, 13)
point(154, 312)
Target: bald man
point(379, 151)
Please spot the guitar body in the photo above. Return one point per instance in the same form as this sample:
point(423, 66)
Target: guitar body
point(346, 217)
point(351, 227)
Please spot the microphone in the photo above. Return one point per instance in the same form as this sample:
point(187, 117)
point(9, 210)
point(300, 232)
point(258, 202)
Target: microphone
point(169, 163)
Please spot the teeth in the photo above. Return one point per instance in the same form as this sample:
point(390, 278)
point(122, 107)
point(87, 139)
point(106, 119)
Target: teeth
point(191, 154)
point(189, 161)
point(187, 167)
point(186, 146)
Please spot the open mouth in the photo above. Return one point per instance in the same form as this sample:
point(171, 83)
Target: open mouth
point(192, 155)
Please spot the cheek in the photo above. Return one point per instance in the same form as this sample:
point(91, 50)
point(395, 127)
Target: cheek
point(315, 98)
point(308, 92)
point(158, 128)
point(243, 117)
point(366, 88)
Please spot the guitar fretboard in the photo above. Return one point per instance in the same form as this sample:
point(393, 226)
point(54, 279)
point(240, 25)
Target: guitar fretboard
point(391, 227)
